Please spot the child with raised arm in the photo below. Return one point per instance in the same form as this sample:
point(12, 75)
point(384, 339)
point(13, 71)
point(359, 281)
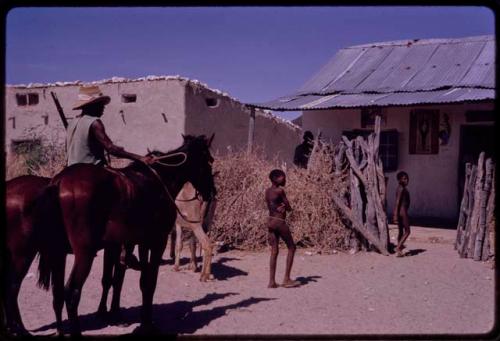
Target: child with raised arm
point(400, 215)
point(278, 205)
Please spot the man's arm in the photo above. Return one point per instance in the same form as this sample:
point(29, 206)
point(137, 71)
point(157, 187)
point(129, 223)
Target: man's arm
point(98, 132)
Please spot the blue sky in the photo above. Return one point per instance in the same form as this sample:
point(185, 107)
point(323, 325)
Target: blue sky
point(253, 53)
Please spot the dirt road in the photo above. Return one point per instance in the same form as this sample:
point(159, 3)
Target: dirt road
point(431, 291)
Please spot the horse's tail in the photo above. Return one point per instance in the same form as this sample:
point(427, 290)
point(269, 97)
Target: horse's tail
point(47, 225)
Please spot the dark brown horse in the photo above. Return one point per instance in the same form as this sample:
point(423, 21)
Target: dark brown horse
point(21, 245)
point(100, 209)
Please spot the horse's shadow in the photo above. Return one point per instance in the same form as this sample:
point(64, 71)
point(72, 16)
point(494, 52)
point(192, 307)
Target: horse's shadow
point(170, 318)
point(223, 272)
point(220, 270)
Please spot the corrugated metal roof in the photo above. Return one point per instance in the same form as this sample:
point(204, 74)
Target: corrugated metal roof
point(402, 72)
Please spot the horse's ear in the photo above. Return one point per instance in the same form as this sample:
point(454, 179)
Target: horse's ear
point(211, 140)
point(183, 137)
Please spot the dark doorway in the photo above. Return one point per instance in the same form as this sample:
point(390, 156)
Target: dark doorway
point(474, 139)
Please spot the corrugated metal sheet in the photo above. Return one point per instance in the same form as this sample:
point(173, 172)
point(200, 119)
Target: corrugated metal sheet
point(309, 102)
point(400, 73)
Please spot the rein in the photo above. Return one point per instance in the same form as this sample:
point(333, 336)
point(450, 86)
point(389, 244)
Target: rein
point(165, 189)
point(196, 197)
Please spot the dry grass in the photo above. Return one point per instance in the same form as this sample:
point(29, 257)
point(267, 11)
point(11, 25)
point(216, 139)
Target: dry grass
point(47, 162)
point(241, 212)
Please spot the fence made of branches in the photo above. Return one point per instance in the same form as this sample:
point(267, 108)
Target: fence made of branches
point(476, 224)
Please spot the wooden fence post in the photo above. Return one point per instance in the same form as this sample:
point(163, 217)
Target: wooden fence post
point(251, 129)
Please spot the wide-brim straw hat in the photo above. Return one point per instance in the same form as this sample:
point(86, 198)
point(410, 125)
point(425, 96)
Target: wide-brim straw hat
point(90, 94)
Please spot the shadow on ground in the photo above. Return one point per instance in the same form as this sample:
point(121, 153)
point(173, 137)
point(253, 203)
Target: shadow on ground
point(220, 270)
point(223, 272)
point(307, 280)
point(169, 318)
point(413, 252)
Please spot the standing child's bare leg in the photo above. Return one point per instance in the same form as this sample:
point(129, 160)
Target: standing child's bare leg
point(404, 233)
point(285, 233)
point(273, 242)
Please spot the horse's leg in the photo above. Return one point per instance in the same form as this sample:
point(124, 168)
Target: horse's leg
point(149, 277)
point(58, 290)
point(178, 246)
point(172, 236)
point(17, 267)
point(118, 277)
point(192, 248)
point(207, 252)
point(106, 281)
point(73, 289)
point(145, 284)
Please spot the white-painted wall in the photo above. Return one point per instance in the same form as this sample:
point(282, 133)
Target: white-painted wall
point(165, 109)
point(229, 120)
point(433, 182)
point(140, 127)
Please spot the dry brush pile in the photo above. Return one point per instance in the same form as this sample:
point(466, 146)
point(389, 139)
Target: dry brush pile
point(241, 212)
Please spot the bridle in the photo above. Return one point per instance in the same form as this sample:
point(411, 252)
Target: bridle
point(157, 159)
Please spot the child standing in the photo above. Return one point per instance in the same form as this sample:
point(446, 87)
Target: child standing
point(278, 205)
point(400, 215)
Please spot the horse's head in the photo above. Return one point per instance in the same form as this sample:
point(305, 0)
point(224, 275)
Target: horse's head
point(198, 165)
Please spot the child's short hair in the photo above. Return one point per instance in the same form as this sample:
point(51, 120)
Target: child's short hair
point(275, 173)
point(401, 174)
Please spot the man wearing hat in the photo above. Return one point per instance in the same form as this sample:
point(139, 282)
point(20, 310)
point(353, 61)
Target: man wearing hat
point(87, 140)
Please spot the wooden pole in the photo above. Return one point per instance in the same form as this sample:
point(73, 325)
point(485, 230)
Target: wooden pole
point(476, 211)
point(483, 201)
point(251, 130)
point(463, 207)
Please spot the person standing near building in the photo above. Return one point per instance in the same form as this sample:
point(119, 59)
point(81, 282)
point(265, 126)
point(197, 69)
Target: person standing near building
point(400, 215)
point(303, 150)
point(87, 140)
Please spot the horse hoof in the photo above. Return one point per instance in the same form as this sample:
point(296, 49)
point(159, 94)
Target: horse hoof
point(146, 329)
point(176, 269)
point(102, 313)
point(206, 278)
point(116, 319)
point(18, 332)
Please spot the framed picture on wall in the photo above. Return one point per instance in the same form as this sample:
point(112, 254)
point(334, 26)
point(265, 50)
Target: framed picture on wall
point(368, 116)
point(424, 131)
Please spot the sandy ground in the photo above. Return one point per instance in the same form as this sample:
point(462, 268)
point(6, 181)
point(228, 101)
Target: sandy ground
point(431, 291)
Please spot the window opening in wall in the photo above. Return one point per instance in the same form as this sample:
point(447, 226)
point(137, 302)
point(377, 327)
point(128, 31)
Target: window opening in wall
point(129, 98)
point(388, 148)
point(212, 102)
point(21, 99)
point(13, 119)
point(27, 99)
point(424, 131)
point(164, 117)
point(32, 99)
